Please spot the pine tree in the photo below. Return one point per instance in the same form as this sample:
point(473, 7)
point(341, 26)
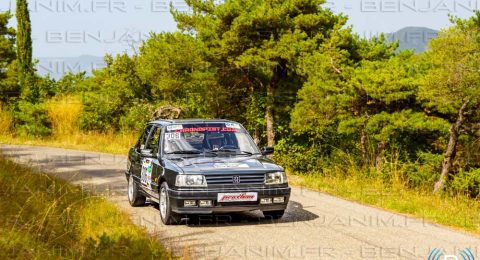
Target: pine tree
point(24, 50)
point(452, 86)
point(256, 44)
point(8, 84)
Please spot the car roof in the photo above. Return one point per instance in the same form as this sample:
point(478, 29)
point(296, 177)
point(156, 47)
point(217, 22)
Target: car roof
point(187, 121)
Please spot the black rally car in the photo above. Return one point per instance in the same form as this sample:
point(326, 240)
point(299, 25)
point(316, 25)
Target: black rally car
point(204, 167)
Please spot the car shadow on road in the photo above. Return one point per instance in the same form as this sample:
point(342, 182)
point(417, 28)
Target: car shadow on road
point(295, 213)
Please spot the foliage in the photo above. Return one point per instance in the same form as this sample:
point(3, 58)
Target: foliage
point(111, 93)
point(8, 81)
point(136, 117)
point(256, 44)
point(467, 182)
point(451, 86)
point(24, 52)
point(179, 75)
point(31, 119)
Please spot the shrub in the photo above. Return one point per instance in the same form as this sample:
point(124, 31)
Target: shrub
point(467, 182)
point(136, 117)
point(424, 172)
point(298, 158)
point(31, 119)
point(102, 112)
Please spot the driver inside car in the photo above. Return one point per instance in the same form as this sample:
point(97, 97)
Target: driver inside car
point(215, 141)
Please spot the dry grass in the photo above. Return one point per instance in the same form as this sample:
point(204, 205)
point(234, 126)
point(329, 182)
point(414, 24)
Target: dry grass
point(455, 211)
point(47, 218)
point(64, 113)
point(6, 121)
point(118, 143)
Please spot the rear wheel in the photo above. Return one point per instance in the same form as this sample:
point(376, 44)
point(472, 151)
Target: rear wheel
point(166, 214)
point(276, 214)
point(134, 197)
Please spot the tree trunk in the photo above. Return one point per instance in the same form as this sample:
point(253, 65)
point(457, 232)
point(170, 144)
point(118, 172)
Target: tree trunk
point(363, 145)
point(451, 148)
point(256, 136)
point(363, 141)
point(269, 115)
point(379, 157)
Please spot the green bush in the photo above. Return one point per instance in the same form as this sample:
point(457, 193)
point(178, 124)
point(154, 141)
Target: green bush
point(425, 171)
point(297, 157)
point(32, 119)
point(467, 182)
point(136, 117)
point(101, 112)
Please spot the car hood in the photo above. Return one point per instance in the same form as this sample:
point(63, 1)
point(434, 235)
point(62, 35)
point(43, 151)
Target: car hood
point(206, 165)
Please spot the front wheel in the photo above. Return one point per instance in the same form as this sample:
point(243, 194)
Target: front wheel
point(276, 214)
point(166, 214)
point(134, 197)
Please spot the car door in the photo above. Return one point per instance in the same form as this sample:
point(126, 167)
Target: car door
point(136, 154)
point(151, 168)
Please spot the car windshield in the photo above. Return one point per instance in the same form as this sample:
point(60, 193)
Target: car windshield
point(212, 138)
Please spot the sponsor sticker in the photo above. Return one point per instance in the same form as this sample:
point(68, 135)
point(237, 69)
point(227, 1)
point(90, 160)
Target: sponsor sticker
point(146, 173)
point(232, 125)
point(230, 165)
point(237, 197)
point(207, 129)
point(174, 127)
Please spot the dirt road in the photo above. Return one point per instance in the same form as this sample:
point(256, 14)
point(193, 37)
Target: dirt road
point(316, 225)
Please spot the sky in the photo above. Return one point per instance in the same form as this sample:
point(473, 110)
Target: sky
point(71, 28)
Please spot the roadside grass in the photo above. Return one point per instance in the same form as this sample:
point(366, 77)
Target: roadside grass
point(456, 211)
point(6, 121)
point(46, 218)
point(116, 143)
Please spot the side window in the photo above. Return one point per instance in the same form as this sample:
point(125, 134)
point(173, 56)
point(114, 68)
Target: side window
point(154, 140)
point(143, 138)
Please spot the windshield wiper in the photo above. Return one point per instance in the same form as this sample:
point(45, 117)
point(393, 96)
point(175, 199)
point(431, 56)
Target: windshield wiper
point(210, 152)
point(232, 151)
point(186, 152)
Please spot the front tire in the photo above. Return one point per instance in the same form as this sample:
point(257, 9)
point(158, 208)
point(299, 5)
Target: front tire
point(166, 214)
point(276, 214)
point(134, 197)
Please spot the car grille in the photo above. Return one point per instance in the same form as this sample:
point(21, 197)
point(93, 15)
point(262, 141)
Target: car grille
point(228, 179)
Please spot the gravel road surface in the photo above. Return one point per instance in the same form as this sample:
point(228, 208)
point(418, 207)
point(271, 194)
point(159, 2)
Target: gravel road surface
point(315, 226)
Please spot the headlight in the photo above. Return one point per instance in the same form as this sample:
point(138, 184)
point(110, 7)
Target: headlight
point(275, 178)
point(191, 181)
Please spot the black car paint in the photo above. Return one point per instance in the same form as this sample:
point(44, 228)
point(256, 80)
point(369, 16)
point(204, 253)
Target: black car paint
point(166, 168)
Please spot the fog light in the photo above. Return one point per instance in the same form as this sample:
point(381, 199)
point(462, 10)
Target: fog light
point(189, 203)
point(266, 201)
point(205, 203)
point(279, 200)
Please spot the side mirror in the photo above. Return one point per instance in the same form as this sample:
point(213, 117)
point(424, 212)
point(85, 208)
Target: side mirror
point(267, 150)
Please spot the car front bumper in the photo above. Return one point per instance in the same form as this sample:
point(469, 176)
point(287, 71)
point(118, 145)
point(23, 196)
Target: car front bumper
point(177, 198)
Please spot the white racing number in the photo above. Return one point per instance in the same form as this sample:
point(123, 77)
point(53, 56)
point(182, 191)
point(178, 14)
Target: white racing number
point(173, 136)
